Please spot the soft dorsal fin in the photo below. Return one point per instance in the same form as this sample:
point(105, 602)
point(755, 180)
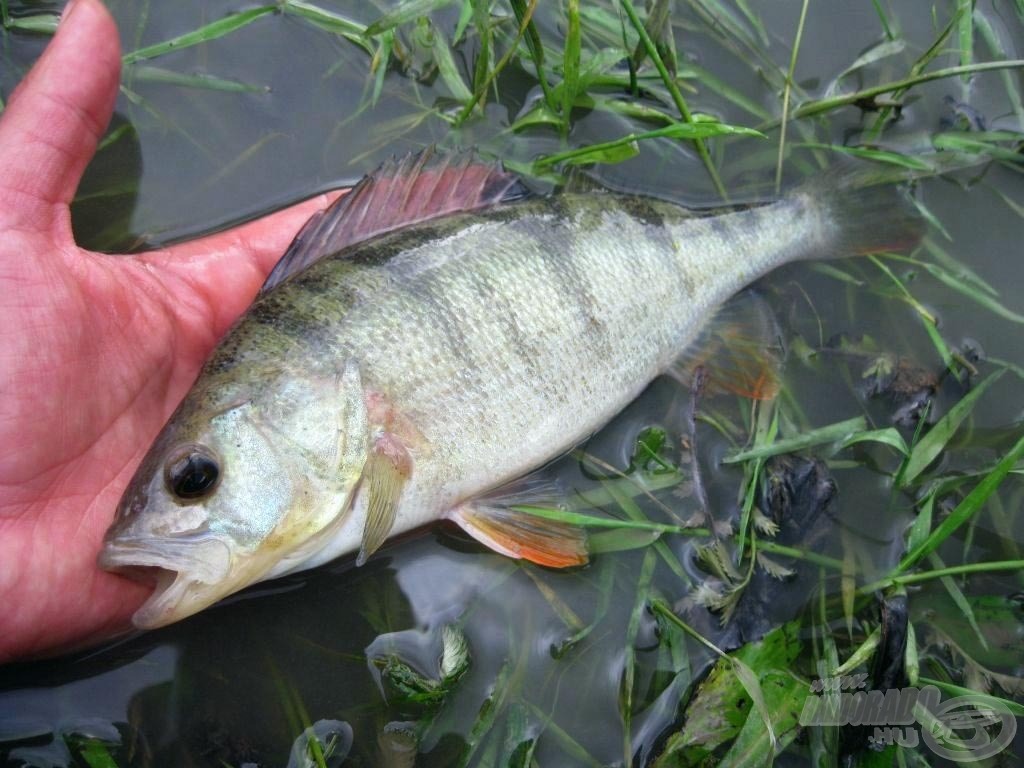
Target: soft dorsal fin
point(418, 187)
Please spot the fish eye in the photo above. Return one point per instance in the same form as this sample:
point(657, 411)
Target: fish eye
point(191, 472)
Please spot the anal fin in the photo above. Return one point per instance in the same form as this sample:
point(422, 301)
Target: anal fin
point(496, 523)
point(740, 350)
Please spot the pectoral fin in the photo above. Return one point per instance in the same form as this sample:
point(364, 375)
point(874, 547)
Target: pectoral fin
point(386, 472)
point(496, 523)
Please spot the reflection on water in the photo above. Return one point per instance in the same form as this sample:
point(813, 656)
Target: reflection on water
point(550, 654)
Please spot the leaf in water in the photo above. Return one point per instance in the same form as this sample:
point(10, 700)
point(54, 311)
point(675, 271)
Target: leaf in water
point(883, 50)
point(967, 508)
point(40, 23)
point(733, 694)
point(558, 605)
point(840, 432)
point(964, 286)
point(889, 436)
point(406, 11)
point(695, 130)
point(985, 144)
point(783, 700)
point(861, 655)
point(571, 60)
point(877, 155)
point(648, 455)
point(96, 754)
point(488, 713)
point(330, 21)
point(621, 540)
point(152, 74)
point(212, 31)
point(610, 155)
point(959, 599)
point(446, 66)
point(930, 446)
point(520, 739)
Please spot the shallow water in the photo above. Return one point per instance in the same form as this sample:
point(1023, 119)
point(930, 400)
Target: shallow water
point(238, 684)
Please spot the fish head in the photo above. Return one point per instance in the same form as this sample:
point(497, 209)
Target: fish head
point(239, 486)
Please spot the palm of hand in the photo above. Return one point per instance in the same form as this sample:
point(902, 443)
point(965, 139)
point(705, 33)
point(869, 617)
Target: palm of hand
point(96, 350)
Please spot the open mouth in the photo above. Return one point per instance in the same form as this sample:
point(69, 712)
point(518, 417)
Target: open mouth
point(188, 574)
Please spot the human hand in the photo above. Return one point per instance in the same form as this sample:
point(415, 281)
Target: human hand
point(95, 350)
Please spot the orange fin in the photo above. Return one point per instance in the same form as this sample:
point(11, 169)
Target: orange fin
point(740, 351)
point(495, 523)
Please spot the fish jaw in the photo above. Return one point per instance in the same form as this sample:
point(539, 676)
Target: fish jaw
point(190, 574)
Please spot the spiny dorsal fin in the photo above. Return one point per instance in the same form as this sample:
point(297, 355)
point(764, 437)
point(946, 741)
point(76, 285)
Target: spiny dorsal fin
point(418, 187)
point(739, 350)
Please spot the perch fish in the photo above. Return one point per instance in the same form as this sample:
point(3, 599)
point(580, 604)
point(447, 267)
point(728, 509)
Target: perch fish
point(433, 336)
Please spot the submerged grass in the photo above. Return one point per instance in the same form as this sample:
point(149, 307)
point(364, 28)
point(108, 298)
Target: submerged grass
point(633, 67)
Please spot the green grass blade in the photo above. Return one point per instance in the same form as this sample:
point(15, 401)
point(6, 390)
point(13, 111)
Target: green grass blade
point(888, 436)
point(966, 509)
point(962, 284)
point(786, 94)
point(936, 439)
point(151, 74)
point(628, 681)
point(205, 34)
point(927, 318)
point(883, 19)
point(998, 50)
point(673, 89)
point(840, 432)
point(446, 67)
point(965, 32)
point(571, 63)
point(608, 151)
point(821, 106)
point(39, 23)
point(873, 55)
point(406, 11)
point(956, 690)
point(877, 155)
point(958, 598)
point(535, 48)
point(898, 580)
point(329, 21)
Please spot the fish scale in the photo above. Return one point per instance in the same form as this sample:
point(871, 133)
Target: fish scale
point(394, 373)
point(428, 336)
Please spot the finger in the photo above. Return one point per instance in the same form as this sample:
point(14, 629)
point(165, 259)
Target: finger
point(50, 129)
point(225, 270)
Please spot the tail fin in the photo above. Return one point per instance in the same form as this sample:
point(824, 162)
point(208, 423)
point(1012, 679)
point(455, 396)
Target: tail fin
point(871, 211)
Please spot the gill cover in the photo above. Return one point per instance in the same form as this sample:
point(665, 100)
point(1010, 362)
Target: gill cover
point(287, 455)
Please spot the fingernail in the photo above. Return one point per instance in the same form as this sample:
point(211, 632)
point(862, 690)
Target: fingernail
point(66, 13)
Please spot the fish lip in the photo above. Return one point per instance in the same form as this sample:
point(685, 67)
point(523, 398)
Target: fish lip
point(189, 573)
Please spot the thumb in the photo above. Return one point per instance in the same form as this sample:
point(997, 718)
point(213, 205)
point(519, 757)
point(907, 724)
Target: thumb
point(50, 129)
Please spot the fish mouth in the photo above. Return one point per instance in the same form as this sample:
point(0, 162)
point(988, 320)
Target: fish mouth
point(189, 573)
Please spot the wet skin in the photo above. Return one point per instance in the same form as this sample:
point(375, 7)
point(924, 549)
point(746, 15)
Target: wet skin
point(96, 350)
